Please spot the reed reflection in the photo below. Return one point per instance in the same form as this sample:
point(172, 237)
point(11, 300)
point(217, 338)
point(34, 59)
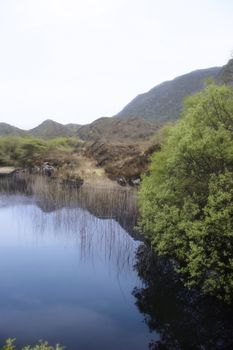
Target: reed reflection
point(92, 218)
point(67, 276)
point(104, 202)
point(95, 238)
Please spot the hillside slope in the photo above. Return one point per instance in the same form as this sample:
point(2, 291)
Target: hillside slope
point(164, 101)
point(118, 130)
point(73, 127)
point(9, 130)
point(226, 74)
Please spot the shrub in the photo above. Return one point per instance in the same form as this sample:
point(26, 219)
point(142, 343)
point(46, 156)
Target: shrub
point(26, 151)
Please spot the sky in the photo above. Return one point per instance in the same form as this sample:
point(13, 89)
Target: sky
point(75, 61)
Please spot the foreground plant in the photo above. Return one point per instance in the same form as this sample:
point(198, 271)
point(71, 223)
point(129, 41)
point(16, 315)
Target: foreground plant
point(187, 200)
point(10, 345)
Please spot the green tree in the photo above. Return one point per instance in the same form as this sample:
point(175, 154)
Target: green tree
point(186, 202)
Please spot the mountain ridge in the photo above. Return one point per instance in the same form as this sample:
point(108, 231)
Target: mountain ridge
point(47, 129)
point(140, 117)
point(164, 101)
point(10, 130)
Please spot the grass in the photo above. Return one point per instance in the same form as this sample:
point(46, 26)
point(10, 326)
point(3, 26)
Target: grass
point(25, 151)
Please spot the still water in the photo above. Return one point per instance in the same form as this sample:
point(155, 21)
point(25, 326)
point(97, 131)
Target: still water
point(67, 277)
point(72, 271)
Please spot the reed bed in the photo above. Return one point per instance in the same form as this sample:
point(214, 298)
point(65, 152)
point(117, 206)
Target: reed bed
point(110, 202)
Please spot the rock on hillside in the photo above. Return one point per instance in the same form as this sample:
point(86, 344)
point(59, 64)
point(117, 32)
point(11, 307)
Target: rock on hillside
point(164, 101)
point(118, 129)
point(9, 130)
point(127, 161)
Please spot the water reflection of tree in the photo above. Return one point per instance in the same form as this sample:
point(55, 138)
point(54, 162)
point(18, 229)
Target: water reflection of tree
point(184, 319)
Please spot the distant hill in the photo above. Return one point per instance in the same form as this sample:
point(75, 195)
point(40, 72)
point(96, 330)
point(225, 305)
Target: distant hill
point(73, 127)
point(50, 129)
point(47, 129)
point(118, 129)
point(141, 117)
point(226, 74)
point(164, 101)
point(9, 130)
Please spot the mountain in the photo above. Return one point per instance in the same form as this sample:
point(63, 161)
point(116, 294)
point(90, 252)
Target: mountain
point(141, 117)
point(226, 74)
point(50, 129)
point(47, 129)
point(164, 101)
point(118, 129)
point(73, 127)
point(9, 130)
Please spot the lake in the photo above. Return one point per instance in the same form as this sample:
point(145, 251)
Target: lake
point(67, 277)
point(76, 274)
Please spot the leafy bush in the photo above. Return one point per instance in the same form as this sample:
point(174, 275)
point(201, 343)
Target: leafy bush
point(186, 202)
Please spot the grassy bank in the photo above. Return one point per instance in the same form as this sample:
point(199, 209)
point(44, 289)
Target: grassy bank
point(65, 154)
point(28, 151)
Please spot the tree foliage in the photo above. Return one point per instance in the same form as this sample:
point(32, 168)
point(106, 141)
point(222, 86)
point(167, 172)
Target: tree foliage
point(186, 202)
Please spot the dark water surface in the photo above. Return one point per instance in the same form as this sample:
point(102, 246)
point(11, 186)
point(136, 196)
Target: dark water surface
point(67, 277)
point(72, 272)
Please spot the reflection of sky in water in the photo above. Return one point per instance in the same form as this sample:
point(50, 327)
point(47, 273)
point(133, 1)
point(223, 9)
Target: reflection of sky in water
point(67, 276)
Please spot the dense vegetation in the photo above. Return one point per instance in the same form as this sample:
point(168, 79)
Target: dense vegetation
point(187, 200)
point(26, 151)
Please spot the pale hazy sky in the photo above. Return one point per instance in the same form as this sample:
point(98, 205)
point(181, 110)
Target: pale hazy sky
point(75, 61)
